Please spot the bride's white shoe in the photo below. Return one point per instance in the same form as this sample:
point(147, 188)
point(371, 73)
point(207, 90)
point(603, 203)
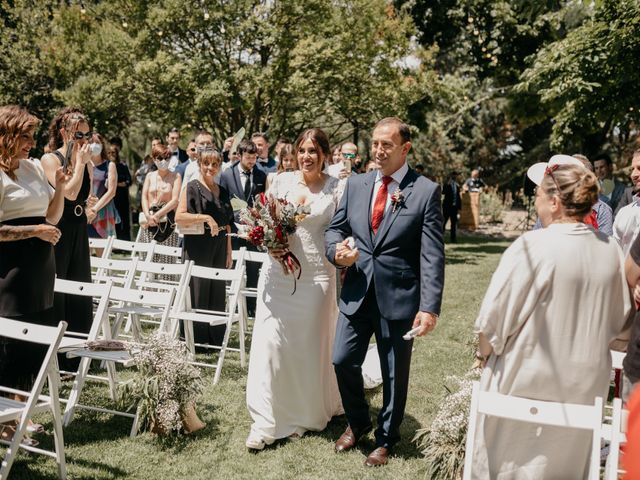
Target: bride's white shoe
point(254, 443)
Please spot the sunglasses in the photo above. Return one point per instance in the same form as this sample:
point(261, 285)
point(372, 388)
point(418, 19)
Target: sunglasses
point(80, 135)
point(349, 156)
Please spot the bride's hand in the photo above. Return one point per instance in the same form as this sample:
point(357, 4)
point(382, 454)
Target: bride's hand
point(278, 253)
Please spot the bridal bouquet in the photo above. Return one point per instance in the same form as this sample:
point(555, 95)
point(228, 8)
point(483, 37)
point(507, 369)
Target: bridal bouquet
point(268, 224)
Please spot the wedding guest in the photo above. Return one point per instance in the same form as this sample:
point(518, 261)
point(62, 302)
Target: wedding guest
point(140, 174)
point(204, 203)
point(601, 215)
point(160, 195)
point(451, 203)
point(192, 153)
point(474, 183)
point(121, 200)
point(371, 165)
point(291, 388)
point(178, 155)
point(244, 180)
point(264, 161)
point(631, 362)
point(288, 163)
point(69, 137)
point(29, 209)
point(603, 167)
point(548, 316)
point(627, 218)
point(105, 179)
point(348, 163)
point(336, 155)
point(203, 141)
point(281, 142)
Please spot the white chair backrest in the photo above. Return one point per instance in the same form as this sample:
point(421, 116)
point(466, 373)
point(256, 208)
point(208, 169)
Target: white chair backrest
point(234, 276)
point(136, 249)
point(616, 359)
point(140, 297)
point(175, 252)
point(584, 417)
point(121, 272)
point(98, 291)
point(258, 257)
point(102, 243)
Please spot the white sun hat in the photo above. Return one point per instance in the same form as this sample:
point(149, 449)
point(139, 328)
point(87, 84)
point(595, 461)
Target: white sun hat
point(536, 171)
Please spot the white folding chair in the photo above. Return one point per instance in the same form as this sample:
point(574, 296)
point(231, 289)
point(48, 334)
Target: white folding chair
point(22, 411)
point(139, 304)
point(245, 256)
point(615, 434)
point(103, 244)
point(73, 341)
point(228, 317)
point(568, 415)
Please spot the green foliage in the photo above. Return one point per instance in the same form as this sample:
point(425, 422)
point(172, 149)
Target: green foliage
point(491, 206)
point(588, 80)
point(280, 67)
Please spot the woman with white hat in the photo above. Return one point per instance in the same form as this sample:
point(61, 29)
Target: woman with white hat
point(545, 326)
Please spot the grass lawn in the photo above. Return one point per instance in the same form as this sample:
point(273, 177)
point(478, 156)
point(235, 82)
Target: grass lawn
point(98, 446)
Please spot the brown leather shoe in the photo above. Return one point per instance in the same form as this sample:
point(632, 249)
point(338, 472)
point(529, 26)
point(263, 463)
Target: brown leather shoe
point(349, 438)
point(377, 458)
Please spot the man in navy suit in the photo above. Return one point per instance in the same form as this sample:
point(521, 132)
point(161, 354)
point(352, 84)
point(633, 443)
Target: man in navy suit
point(394, 281)
point(245, 180)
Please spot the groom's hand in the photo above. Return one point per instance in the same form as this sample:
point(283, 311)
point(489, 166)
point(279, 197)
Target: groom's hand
point(345, 255)
point(427, 321)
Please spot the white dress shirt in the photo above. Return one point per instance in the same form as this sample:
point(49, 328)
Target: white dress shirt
point(243, 177)
point(174, 160)
point(627, 225)
point(392, 186)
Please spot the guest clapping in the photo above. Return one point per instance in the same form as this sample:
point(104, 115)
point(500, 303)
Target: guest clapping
point(546, 320)
point(69, 137)
point(205, 204)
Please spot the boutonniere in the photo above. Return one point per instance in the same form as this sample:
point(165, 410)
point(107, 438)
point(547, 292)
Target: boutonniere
point(397, 199)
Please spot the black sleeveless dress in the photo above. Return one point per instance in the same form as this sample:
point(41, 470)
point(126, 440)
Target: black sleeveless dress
point(208, 251)
point(72, 262)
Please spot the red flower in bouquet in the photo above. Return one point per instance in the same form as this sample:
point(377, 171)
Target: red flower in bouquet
point(268, 225)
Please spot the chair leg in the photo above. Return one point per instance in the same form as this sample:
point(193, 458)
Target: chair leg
point(12, 450)
point(113, 382)
point(242, 330)
point(76, 390)
point(134, 426)
point(58, 438)
point(223, 349)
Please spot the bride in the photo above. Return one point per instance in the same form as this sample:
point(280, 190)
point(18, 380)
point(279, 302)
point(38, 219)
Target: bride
point(291, 385)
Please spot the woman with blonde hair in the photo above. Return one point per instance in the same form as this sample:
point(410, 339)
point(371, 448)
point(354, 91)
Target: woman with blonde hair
point(29, 209)
point(205, 204)
point(545, 326)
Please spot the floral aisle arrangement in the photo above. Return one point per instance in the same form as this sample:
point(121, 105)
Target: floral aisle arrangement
point(268, 224)
point(443, 443)
point(165, 387)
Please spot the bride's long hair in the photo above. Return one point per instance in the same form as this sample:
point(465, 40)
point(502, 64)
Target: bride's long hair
point(320, 141)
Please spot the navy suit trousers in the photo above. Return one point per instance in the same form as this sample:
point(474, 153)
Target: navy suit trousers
point(350, 348)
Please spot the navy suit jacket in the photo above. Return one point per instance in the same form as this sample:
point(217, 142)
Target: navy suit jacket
point(405, 259)
point(230, 179)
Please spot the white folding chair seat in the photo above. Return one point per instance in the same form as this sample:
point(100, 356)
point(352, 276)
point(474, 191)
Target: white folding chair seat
point(22, 411)
point(228, 317)
point(568, 415)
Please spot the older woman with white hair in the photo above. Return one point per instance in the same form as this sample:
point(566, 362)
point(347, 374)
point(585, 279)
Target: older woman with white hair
point(545, 326)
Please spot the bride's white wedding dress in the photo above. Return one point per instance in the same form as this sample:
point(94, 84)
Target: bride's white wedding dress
point(291, 385)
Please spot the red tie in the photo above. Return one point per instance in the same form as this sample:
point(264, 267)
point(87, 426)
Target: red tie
point(380, 203)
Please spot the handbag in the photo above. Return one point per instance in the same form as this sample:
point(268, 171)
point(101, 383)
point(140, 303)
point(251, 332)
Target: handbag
point(165, 226)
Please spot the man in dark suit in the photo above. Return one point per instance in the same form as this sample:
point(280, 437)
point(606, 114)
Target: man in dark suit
point(245, 180)
point(603, 168)
point(266, 162)
point(178, 155)
point(451, 204)
point(387, 232)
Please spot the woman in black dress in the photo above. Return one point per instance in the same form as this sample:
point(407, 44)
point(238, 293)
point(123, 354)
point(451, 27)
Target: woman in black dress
point(29, 209)
point(72, 251)
point(121, 200)
point(203, 201)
